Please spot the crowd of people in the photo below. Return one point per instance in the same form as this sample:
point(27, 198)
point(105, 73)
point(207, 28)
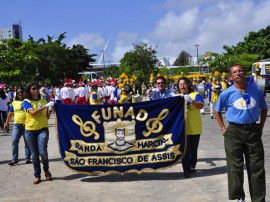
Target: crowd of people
point(244, 104)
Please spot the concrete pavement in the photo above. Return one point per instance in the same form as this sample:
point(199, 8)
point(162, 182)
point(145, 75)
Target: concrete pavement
point(208, 184)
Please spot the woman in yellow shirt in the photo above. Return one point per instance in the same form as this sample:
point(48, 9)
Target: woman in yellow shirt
point(36, 129)
point(16, 109)
point(193, 124)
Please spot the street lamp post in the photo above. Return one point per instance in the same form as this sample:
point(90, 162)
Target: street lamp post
point(197, 53)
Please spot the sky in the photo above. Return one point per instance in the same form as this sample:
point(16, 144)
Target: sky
point(169, 26)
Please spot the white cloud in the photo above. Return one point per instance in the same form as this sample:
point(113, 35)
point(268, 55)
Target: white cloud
point(175, 27)
point(124, 43)
point(90, 41)
point(212, 26)
point(209, 23)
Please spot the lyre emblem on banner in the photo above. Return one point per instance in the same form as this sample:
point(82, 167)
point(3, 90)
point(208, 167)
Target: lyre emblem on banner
point(154, 125)
point(86, 130)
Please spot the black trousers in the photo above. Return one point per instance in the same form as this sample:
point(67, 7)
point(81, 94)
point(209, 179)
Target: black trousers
point(245, 144)
point(190, 159)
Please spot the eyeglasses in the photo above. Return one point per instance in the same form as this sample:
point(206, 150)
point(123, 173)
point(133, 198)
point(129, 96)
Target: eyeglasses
point(238, 72)
point(160, 83)
point(33, 88)
point(182, 84)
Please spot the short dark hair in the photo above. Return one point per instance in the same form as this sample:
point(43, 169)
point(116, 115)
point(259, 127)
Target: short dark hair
point(235, 65)
point(119, 129)
point(161, 77)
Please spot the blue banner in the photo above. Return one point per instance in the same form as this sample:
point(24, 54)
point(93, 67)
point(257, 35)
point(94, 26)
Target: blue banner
point(121, 138)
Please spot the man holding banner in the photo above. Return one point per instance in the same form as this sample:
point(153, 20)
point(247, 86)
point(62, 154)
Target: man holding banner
point(160, 92)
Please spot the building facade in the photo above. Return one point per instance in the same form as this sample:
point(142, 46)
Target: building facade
point(11, 33)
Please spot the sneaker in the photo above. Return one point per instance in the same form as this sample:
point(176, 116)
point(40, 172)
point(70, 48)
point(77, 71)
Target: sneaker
point(28, 161)
point(240, 200)
point(13, 162)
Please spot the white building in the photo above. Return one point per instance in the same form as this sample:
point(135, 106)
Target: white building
point(10, 33)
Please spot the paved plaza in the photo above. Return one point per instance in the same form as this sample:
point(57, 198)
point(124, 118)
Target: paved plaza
point(208, 184)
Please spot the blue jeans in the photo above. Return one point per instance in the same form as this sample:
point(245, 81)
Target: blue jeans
point(38, 144)
point(17, 133)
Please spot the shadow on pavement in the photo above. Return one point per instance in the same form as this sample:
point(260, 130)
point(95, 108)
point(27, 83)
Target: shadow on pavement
point(210, 161)
point(152, 175)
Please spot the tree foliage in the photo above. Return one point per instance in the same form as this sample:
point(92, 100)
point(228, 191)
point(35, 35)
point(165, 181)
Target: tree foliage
point(42, 60)
point(255, 43)
point(141, 62)
point(183, 59)
point(256, 46)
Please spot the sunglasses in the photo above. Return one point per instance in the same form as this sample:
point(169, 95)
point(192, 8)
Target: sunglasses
point(33, 88)
point(160, 83)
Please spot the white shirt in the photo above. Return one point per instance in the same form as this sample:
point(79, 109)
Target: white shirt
point(58, 94)
point(65, 92)
point(82, 91)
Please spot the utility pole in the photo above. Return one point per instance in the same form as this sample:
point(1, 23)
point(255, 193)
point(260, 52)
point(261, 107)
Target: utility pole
point(197, 53)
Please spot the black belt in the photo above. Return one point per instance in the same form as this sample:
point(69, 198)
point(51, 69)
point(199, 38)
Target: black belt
point(247, 125)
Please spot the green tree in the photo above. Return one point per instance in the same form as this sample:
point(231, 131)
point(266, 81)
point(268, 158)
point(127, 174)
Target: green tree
point(112, 71)
point(140, 62)
point(43, 61)
point(183, 59)
point(255, 43)
point(18, 61)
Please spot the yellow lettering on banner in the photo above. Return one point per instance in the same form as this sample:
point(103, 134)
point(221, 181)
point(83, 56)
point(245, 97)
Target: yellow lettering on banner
point(142, 115)
point(127, 160)
point(154, 125)
point(96, 117)
point(107, 116)
point(155, 143)
point(86, 148)
point(118, 112)
point(85, 130)
point(130, 113)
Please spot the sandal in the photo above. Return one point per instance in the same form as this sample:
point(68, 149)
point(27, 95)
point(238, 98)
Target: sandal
point(48, 175)
point(37, 180)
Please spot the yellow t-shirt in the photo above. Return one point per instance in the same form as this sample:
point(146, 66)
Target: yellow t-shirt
point(38, 121)
point(194, 119)
point(215, 92)
point(223, 85)
point(19, 113)
point(144, 87)
point(94, 98)
point(123, 98)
